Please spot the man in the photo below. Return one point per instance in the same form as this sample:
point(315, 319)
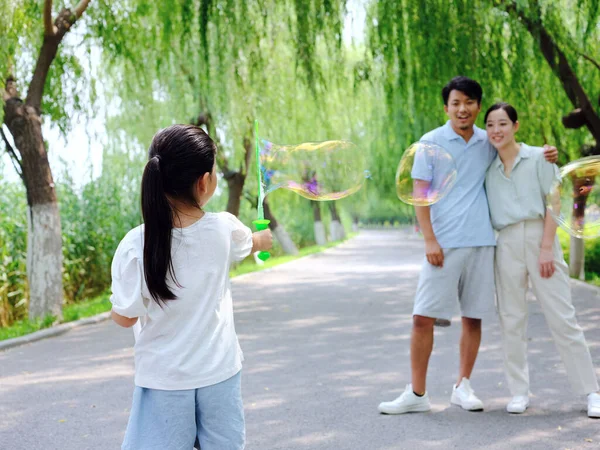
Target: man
point(459, 249)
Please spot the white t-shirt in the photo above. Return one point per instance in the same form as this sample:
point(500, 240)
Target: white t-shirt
point(190, 342)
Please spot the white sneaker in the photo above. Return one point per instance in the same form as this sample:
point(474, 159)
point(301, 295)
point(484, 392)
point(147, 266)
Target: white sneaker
point(594, 405)
point(518, 404)
point(407, 402)
point(464, 396)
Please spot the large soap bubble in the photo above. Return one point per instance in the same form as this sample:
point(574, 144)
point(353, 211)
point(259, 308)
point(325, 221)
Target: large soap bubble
point(320, 171)
point(574, 200)
point(426, 173)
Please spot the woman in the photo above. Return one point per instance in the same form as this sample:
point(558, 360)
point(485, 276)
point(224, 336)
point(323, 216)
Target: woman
point(527, 247)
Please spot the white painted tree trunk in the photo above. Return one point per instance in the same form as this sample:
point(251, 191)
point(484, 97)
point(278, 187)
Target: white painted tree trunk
point(320, 236)
point(284, 239)
point(577, 258)
point(44, 261)
point(336, 231)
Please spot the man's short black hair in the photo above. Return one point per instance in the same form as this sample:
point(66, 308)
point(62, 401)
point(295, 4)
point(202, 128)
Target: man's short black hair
point(470, 88)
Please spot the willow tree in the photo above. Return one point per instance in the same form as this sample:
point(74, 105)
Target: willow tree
point(220, 64)
point(535, 55)
point(567, 51)
point(32, 66)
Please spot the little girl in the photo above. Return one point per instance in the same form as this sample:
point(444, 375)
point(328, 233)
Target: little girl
point(170, 278)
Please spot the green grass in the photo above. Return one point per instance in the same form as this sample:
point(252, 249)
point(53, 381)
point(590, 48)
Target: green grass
point(21, 328)
point(249, 266)
point(87, 308)
point(75, 311)
point(100, 304)
point(592, 278)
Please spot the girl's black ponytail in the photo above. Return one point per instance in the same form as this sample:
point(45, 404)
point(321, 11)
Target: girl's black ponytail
point(178, 157)
point(158, 226)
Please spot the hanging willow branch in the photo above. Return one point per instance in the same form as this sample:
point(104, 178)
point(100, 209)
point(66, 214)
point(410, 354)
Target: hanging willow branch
point(558, 62)
point(53, 36)
point(590, 59)
point(13, 155)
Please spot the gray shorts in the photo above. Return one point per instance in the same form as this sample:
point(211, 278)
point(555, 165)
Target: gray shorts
point(467, 279)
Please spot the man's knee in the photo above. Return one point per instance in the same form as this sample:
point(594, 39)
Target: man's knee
point(422, 323)
point(471, 324)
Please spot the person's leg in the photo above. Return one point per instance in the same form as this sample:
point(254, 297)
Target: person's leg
point(475, 293)
point(421, 345)
point(511, 291)
point(554, 295)
point(436, 297)
point(470, 339)
point(161, 420)
point(220, 415)
point(476, 296)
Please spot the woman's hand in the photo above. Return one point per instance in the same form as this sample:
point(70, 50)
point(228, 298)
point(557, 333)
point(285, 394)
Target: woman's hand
point(546, 263)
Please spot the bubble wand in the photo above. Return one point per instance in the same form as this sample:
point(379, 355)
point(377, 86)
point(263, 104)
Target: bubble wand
point(260, 223)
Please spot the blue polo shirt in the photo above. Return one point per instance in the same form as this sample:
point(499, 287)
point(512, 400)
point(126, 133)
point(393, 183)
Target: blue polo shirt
point(462, 217)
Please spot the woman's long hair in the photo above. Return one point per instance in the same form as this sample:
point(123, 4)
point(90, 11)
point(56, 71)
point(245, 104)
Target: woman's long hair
point(178, 157)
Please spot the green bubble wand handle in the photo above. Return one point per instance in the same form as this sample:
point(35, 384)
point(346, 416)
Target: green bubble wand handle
point(260, 223)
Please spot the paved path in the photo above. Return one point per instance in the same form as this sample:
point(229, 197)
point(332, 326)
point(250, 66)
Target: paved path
point(326, 339)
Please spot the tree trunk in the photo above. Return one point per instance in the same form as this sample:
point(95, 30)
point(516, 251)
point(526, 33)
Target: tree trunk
point(23, 119)
point(235, 184)
point(355, 222)
point(235, 180)
point(581, 189)
point(320, 236)
point(577, 258)
point(282, 236)
point(336, 229)
point(44, 249)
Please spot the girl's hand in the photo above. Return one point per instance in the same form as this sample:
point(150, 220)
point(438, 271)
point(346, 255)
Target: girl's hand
point(546, 263)
point(262, 240)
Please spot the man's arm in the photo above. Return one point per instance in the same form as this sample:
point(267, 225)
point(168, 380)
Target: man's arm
point(433, 251)
point(551, 154)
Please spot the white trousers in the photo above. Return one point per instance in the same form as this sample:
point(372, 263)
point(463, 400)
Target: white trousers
point(517, 252)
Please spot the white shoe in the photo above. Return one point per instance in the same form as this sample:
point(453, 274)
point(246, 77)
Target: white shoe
point(594, 405)
point(518, 404)
point(407, 402)
point(464, 396)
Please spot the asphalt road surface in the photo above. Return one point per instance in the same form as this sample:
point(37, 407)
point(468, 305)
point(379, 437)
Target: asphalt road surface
point(326, 338)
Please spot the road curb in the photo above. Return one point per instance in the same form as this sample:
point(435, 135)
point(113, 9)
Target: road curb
point(54, 331)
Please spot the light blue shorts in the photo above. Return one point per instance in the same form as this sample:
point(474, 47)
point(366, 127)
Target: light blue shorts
point(212, 417)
